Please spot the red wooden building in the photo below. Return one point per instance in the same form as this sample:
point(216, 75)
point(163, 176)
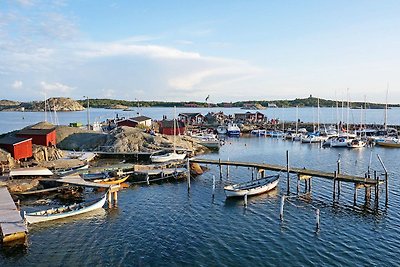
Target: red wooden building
point(18, 147)
point(43, 137)
point(167, 127)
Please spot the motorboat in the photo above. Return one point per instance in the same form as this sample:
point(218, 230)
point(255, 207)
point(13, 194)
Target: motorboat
point(233, 129)
point(254, 187)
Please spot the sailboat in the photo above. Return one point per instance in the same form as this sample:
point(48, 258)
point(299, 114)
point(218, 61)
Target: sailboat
point(171, 155)
point(314, 137)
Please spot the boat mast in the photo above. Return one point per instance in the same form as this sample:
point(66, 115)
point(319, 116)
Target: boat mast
point(337, 113)
point(348, 111)
point(318, 114)
point(174, 129)
point(297, 119)
point(45, 106)
point(386, 107)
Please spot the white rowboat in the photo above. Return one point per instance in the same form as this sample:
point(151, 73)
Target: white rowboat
point(254, 187)
point(65, 211)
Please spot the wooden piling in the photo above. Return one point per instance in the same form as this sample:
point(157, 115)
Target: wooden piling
point(115, 198)
point(287, 172)
point(317, 220)
point(298, 184)
point(220, 169)
point(334, 186)
point(227, 171)
point(147, 179)
point(355, 194)
point(245, 200)
point(213, 186)
point(386, 180)
point(281, 209)
point(376, 190)
point(188, 173)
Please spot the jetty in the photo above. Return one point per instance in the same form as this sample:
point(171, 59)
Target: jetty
point(13, 228)
point(367, 182)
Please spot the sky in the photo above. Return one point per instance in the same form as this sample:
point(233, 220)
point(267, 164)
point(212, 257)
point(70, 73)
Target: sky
point(185, 50)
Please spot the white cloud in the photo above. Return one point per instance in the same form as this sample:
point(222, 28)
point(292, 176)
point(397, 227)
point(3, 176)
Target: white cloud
point(25, 2)
point(17, 85)
point(108, 93)
point(56, 88)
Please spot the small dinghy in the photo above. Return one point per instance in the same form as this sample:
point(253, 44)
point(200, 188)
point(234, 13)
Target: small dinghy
point(64, 211)
point(111, 180)
point(254, 187)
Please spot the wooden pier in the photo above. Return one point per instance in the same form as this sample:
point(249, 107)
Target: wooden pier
point(306, 175)
point(298, 171)
point(13, 227)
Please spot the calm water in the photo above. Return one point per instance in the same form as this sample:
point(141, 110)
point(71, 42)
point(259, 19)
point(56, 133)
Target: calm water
point(10, 121)
point(164, 225)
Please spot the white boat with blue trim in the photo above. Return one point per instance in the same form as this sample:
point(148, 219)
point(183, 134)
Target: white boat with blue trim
point(251, 188)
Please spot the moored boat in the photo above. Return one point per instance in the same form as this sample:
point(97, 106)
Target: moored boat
point(167, 157)
point(356, 143)
point(254, 187)
point(111, 180)
point(233, 129)
point(64, 211)
point(389, 142)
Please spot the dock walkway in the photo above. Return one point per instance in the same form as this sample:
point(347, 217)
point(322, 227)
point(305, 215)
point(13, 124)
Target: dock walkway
point(298, 171)
point(13, 227)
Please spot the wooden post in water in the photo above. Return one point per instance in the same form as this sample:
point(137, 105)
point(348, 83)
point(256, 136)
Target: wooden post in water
point(386, 180)
point(245, 200)
point(334, 186)
point(188, 173)
point(317, 220)
point(109, 198)
point(287, 172)
point(115, 198)
point(376, 190)
point(310, 184)
point(281, 209)
point(227, 170)
point(220, 169)
point(213, 186)
point(147, 179)
point(338, 172)
point(298, 184)
point(355, 194)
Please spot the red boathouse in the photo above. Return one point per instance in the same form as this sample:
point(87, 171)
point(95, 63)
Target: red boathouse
point(167, 127)
point(43, 137)
point(18, 147)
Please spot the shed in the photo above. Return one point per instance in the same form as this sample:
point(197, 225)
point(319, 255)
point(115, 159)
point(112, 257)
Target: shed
point(43, 137)
point(191, 118)
point(167, 127)
point(18, 147)
point(135, 121)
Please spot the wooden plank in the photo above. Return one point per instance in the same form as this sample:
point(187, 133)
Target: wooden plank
point(299, 171)
point(77, 180)
point(13, 227)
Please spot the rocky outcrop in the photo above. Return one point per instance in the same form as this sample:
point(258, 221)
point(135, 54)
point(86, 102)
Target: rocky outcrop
point(43, 153)
point(121, 139)
point(55, 103)
point(58, 104)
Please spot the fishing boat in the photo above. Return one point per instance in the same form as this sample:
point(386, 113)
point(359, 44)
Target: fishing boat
point(233, 129)
point(111, 180)
point(254, 187)
point(71, 170)
point(64, 211)
point(356, 143)
point(389, 142)
point(222, 130)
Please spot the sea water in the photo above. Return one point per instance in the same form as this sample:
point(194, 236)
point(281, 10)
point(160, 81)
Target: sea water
point(165, 225)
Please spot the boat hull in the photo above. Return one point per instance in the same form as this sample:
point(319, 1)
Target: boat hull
point(32, 218)
point(256, 187)
point(167, 157)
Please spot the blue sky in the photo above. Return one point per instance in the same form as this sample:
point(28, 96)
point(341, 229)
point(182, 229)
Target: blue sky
point(186, 50)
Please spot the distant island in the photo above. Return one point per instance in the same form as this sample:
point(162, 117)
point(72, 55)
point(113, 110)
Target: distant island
point(68, 104)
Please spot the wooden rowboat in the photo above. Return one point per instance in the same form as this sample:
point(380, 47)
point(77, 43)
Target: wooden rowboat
point(111, 180)
point(64, 211)
point(254, 187)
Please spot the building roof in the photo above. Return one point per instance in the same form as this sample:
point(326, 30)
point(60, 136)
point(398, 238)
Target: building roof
point(31, 131)
point(13, 140)
point(140, 118)
point(190, 114)
point(170, 124)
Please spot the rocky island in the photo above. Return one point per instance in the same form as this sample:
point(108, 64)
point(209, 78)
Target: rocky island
point(51, 104)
